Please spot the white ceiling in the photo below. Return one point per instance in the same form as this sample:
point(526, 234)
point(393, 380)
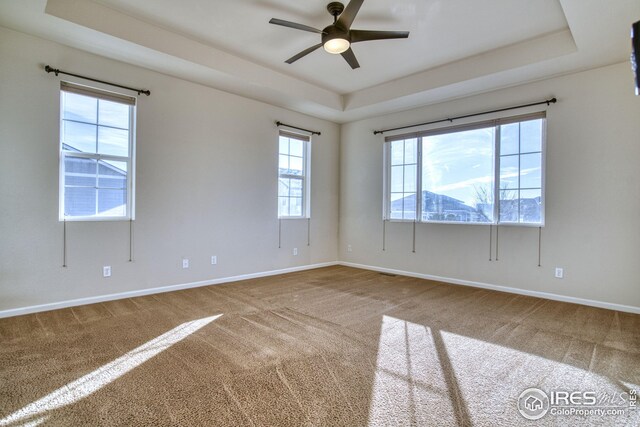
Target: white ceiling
point(455, 48)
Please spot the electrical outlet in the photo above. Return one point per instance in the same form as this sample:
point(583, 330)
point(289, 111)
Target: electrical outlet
point(349, 248)
point(214, 259)
point(185, 262)
point(106, 271)
point(295, 251)
point(559, 273)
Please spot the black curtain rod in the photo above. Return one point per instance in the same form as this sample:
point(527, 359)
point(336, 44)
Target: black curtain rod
point(548, 102)
point(312, 132)
point(48, 69)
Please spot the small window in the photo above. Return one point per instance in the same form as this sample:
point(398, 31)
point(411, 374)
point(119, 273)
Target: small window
point(521, 172)
point(293, 175)
point(96, 151)
point(403, 175)
point(452, 175)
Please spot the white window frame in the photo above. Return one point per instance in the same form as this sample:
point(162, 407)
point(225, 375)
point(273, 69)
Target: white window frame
point(386, 200)
point(129, 160)
point(305, 177)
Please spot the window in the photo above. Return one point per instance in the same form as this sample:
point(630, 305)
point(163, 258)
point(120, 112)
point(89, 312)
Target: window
point(404, 175)
point(293, 175)
point(459, 170)
point(96, 151)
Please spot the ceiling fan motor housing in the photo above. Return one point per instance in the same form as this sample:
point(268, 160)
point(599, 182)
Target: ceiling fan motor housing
point(335, 32)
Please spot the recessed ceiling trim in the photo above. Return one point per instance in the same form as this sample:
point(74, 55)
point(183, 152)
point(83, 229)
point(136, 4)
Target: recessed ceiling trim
point(105, 20)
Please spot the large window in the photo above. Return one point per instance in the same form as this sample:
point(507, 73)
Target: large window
point(96, 152)
point(453, 175)
point(293, 175)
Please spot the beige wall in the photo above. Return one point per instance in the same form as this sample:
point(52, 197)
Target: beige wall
point(200, 151)
point(206, 185)
point(592, 196)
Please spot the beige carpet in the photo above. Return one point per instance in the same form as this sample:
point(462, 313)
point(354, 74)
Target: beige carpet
point(335, 346)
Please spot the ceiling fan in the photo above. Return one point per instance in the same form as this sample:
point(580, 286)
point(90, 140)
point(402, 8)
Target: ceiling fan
point(338, 37)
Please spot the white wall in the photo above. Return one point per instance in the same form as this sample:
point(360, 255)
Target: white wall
point(206, 185)
point(592, 196)
point(200, 151)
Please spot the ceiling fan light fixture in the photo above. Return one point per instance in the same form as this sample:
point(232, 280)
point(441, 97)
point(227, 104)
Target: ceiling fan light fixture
point(337, 45)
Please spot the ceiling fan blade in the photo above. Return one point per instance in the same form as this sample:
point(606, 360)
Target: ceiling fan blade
point(303, 53)
point(350, 57)
point(349, 14)
point(294, 25)
point(364, 35)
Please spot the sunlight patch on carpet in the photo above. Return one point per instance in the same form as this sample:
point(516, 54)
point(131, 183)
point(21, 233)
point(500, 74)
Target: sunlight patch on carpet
point(409, 386)
point(92, 382)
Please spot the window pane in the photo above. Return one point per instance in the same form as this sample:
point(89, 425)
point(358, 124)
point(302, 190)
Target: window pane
point(295, 166)
point(396, 205)
point(295, 206)
point(531, 136)
point(78, 107)
point(410, 151)
point(509, 172)
point(397, 152)
point(283, 146)
point(409, 206)
point(484, 203)
point(283, 206)
point(79, 201)
point(112, 202)
point(509, 139)
point(79, 165)
point(295, 147)
point(458, 176)
point(113, 114)
point(296, 188)
point(531, 171)
point(112, 167)
point(80, 180)
point(397, 180)
point(283, 187)
point(118, 183)
point(530, 206)
point(79, 137)
point(508, 205)
point(113, 141)
point(410, 178)
point(283, 164)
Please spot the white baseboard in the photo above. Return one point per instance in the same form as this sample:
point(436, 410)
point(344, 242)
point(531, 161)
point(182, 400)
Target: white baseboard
point(141, 292)
point(545, 295)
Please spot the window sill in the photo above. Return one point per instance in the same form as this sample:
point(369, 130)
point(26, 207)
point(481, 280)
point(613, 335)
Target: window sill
point(501, 224)
point(95, 219)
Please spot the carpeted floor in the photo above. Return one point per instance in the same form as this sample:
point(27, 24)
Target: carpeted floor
point(335, 346)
